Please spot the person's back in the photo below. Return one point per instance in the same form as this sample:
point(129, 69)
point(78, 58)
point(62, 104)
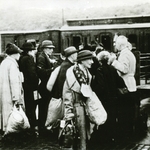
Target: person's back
point(30, 84)
point(10, 84)
point(28, 68)
point(71, 56)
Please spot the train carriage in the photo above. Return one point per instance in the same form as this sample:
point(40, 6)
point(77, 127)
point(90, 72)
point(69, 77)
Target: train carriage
point(84, 31)
point(103, 30)
point(36, 37)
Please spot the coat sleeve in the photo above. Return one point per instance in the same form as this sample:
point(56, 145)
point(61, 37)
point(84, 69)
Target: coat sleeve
point(68, 100)
point(42, 69)
point(15, 83)
point(122, 65)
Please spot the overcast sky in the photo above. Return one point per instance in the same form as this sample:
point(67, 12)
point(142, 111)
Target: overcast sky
point(53, 4)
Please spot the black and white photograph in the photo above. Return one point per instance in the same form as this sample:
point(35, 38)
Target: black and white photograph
point(75, 75)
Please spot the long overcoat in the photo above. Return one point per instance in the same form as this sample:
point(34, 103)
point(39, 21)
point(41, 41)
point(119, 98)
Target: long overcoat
point(10, 88)
point(28, 68)
point(74, 103)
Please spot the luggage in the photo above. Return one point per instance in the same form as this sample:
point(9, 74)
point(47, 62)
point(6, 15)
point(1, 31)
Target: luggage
point(17, 121)
point(55, 111)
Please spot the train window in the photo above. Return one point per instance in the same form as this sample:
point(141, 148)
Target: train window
point(76, 41)
point(106, 39)
point(132, 38)
point(146, 47)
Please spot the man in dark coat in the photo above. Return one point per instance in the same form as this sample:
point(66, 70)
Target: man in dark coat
point(71, 56)
point(30, 84)
point(45, 65)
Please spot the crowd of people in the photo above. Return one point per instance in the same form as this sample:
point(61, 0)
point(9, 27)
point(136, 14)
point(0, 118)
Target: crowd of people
point(24, 71)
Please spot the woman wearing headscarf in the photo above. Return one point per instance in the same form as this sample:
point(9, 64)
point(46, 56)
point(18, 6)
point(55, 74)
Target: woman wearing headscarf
point(77, 77)
point(11, 91)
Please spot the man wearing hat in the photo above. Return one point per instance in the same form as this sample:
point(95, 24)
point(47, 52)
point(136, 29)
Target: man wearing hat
point(30, 84)
point(74, 97)
point(45, 65)
point(10, 84)
point(71, 57)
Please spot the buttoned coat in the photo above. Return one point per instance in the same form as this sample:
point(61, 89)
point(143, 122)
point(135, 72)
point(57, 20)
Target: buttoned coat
point(10, 88)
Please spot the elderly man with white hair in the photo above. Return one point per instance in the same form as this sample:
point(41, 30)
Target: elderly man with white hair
point(126, 67)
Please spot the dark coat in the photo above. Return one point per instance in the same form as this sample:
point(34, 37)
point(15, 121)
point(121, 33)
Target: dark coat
point(30, 84)
point(58, 87)
point(44, 69)
point(94, 66)
point(28, 68)
point(106, 82)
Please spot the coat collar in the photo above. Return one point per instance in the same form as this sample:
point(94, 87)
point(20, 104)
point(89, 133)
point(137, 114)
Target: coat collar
point(71, 80)
point(13, 60)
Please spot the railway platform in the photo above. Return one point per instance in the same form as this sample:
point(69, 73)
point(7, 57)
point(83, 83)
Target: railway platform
point(49, 142)
point(140, 140)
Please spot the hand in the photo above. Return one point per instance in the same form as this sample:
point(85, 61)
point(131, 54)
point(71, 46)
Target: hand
point(53, 61)
point(69, 116)
point(111, 59)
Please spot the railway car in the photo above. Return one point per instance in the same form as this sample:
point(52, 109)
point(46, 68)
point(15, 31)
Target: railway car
point(36, 37)
point(104, 30)
point(84, 31)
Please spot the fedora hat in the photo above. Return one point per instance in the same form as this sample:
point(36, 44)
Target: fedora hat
point(70, 50)
point(47, 43)
point(12, 49)
point(28, 46)
point(84, 54)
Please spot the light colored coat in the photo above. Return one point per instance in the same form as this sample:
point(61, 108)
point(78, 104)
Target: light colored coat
point(73, 100)
point(126, 66)
point(10, 88)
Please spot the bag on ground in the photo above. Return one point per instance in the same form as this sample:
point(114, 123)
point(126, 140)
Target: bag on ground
point(55, 111)
point(95, 110)
point(17, 121)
